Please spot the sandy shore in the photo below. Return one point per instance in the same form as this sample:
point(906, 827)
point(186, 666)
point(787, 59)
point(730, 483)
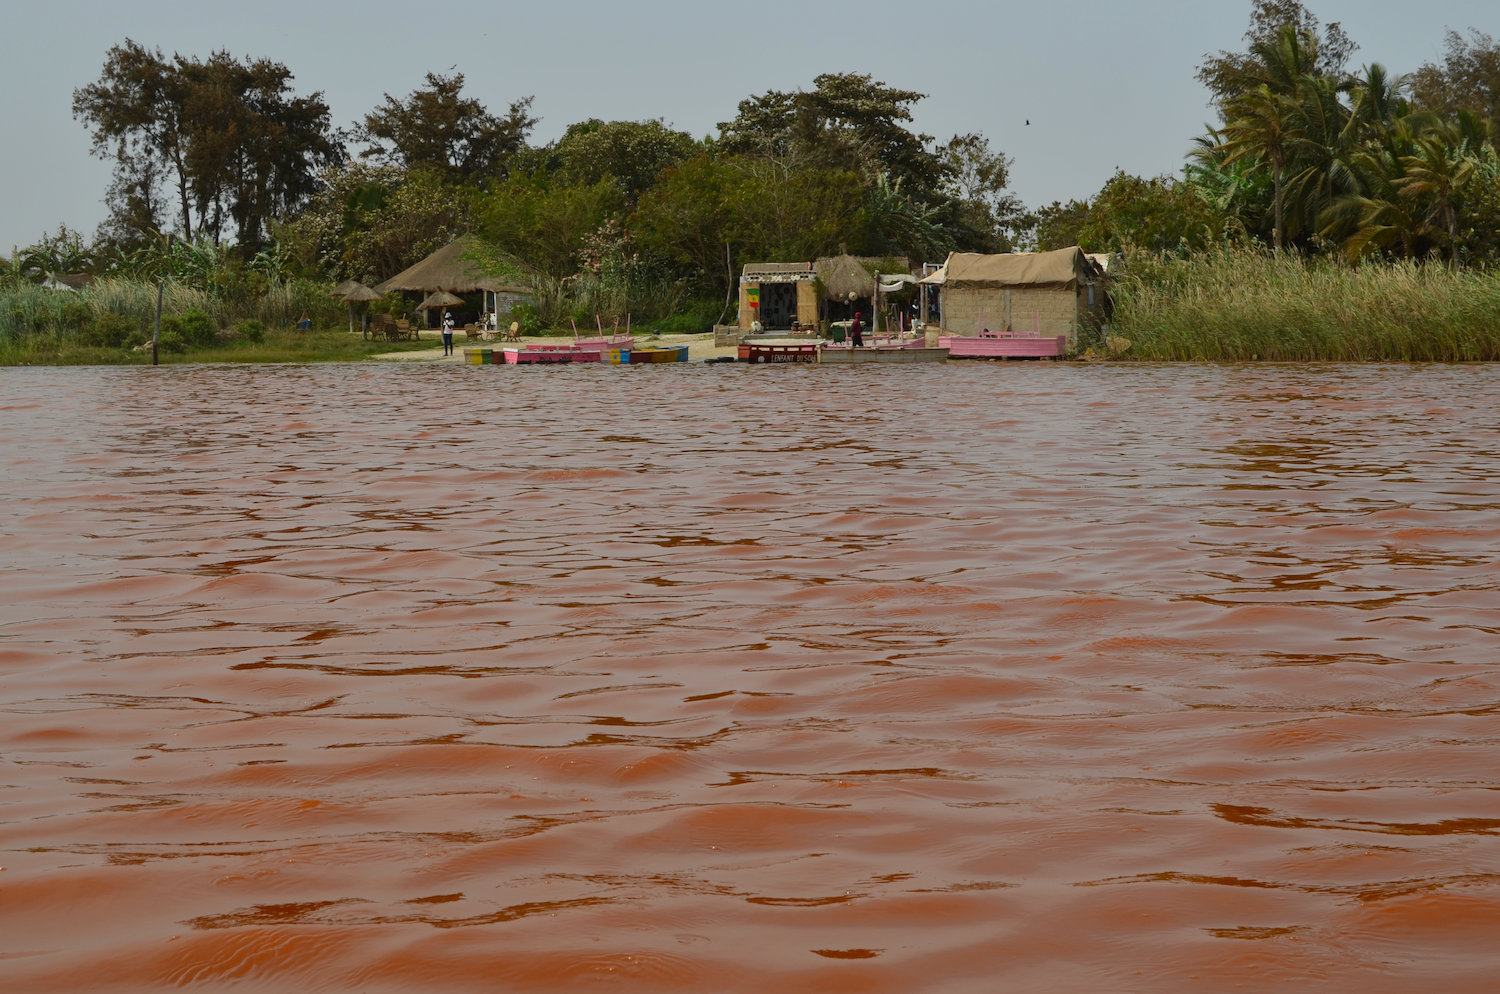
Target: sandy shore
point(699, 347)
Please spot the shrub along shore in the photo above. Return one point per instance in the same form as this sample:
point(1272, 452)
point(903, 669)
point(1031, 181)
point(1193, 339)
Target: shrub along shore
point(111, 322)
point(1248, 306)
point(1233, 306)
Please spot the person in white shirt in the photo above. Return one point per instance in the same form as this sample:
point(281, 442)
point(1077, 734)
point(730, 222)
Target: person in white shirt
point(447, 332)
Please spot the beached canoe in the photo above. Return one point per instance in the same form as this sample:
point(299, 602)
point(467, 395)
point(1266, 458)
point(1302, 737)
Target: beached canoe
point(778, 352)
point(1005, 347)
point(895, 354)
point(675, 353)
point(530, 356)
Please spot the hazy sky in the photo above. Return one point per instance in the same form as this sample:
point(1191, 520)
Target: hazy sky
point(1104, 84)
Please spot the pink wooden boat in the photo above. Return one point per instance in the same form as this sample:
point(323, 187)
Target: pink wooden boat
point(604, 343)
point(1005, 346)
point(550, 353)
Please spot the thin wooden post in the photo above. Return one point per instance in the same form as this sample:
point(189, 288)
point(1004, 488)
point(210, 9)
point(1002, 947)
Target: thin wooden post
point(156, 335)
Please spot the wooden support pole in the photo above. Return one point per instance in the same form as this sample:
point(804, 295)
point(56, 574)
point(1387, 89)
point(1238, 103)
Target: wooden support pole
point(156, 335)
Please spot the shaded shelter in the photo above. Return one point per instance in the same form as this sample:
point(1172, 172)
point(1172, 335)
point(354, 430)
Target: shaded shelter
point(358, 294)
point(343, 288)
point(848, 283)
point(464, 266)
point(467, 266)
point(439, 300)
point(844, 277)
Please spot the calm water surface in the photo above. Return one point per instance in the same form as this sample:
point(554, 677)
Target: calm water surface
point(1013, 677)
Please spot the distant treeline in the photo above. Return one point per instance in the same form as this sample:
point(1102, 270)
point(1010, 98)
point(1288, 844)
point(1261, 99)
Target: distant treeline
point(228, 182)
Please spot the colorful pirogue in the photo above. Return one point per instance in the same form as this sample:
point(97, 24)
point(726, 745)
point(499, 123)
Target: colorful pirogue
point(584, 351)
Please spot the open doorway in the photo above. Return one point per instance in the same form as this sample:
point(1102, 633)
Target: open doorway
point(778, 305)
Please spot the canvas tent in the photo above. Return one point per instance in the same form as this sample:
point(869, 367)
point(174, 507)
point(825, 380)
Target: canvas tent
point(1042, 293)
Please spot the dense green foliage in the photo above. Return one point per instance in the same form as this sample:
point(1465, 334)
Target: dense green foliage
point(228, 136)
point(240, 196)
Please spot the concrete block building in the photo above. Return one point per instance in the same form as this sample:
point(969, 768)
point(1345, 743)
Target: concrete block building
point(1042, 293)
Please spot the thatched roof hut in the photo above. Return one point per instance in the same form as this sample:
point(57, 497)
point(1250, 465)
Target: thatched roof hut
point(841, 274)
point(459, 267)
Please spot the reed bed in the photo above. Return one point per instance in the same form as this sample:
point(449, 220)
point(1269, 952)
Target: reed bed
point(27, 309)
point(1243, 305)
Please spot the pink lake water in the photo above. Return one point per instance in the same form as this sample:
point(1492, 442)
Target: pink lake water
point(966, 677)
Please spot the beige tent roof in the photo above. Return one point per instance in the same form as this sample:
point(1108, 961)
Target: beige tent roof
point(1064, 269)
point(447, 269)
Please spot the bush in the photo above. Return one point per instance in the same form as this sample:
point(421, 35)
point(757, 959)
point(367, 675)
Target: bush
point(172, 339)
point(527, 317)
point(76, 314)
point(197, 328)
point(251, 331)
point(112, 331)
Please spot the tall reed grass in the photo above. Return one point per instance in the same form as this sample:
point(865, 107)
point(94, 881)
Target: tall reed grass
point(27, 309)
point(1246, 305)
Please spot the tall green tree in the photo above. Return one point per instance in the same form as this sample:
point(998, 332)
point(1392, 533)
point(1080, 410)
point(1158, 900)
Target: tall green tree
point(545, 223)
point(1468, 78)
point(1285, 41)
point(631, 154)
point(134, 111)
point(1437, 173)
point(240, 147)
point(254, 149)
point(848, 121)
point(1266, 125)
point(984, 216)
point(437, 128)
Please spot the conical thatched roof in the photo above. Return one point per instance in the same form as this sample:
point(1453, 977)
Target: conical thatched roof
point(842, 274)
point(360, 292)
point(440, 299)
point(345, 287)
point(456, 268)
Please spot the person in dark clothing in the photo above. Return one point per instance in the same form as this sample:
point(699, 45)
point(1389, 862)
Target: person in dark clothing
point(856, 331)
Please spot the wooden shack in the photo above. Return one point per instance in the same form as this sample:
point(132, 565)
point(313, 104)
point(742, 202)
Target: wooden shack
point(1041, 294)
point(776, 294)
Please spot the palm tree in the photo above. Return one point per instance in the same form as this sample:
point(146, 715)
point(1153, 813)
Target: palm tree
point(1319, 166)
point(903, 222)
point(1439, 173)
point(1265, 125)
point(1376, 222)
point(1377, 100)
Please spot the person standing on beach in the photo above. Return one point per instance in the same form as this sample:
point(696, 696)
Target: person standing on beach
point(447, 332)
point(856, 332)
